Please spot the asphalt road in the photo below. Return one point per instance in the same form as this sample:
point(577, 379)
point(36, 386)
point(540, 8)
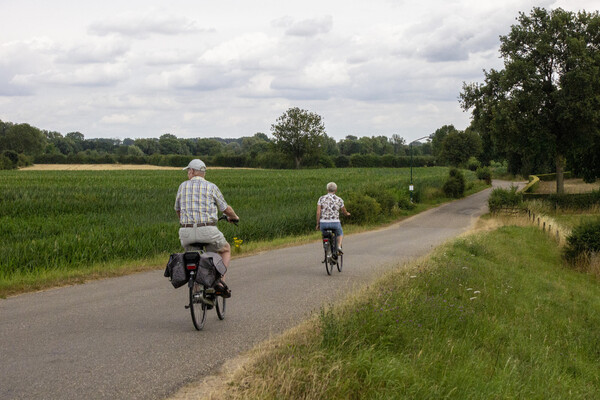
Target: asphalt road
point(131, 338)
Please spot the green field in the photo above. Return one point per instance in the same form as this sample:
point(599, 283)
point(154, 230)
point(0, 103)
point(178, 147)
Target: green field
point(72, 220)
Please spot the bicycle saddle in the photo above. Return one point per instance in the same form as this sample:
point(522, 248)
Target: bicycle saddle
point(198, 244)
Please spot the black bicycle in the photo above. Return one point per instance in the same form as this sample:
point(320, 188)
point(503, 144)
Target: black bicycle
point(202, 297)
point(332, 256)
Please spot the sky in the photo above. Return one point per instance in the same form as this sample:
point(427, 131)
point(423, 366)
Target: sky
point(230, 68)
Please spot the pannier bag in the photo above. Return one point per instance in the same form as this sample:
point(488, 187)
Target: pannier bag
point(176, 271)
point(210, 269)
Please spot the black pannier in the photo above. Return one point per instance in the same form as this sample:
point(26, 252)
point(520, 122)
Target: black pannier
point(210, 269)
point(176, 271)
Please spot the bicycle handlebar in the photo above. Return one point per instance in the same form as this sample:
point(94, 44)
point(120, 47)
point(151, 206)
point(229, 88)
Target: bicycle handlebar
point(226, 218)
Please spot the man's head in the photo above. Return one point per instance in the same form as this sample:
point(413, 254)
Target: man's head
point(196, 167)
point(331, 187)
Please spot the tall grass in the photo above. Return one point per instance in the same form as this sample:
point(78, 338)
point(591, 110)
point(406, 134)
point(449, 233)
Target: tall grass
point(489, 316)
point(64, 220)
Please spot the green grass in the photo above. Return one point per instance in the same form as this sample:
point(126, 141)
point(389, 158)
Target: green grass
point(494, 316)
point(68, 223)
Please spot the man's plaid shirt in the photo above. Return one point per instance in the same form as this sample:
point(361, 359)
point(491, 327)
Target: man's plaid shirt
point(198, 201)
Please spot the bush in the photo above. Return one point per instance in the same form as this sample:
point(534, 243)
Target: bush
point(384, 197)
point(364, 209)
point(484, 174)
point(342, 161)
point(12, 155)
point(455, 184)
point(499, 168)
point(584, 241)
point(473, 164)
point(6, 163)
point(505, 198)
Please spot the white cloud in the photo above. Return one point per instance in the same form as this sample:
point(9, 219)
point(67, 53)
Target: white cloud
point(306, 27)
point(153, 22)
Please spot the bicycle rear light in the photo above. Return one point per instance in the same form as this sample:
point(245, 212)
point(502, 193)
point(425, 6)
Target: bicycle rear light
point(191, 266)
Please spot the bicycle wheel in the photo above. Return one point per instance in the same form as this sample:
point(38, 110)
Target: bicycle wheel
point(340, 262)
point(197, 307)
point(328, 260)
point(220, 303)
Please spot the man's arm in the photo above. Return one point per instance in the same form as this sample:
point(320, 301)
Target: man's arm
point(346, 213)
point(230, 213)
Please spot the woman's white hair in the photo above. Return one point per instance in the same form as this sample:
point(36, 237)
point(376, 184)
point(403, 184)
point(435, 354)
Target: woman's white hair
point(331, 187)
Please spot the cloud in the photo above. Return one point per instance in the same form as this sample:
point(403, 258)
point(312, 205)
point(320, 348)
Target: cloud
point(154, 22)
point(305, 28)
point(87, 75)
point(94, 52)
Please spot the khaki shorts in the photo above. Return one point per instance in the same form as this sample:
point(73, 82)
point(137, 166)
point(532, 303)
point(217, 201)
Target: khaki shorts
point(203, 234)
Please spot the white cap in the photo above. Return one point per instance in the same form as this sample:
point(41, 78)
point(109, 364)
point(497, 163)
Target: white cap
point(196, 164)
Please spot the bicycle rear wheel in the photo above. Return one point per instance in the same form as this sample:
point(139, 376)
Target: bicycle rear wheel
point(220, 303)
point(328, 260)
point(197, 307)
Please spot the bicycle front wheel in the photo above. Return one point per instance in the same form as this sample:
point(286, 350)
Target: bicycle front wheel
point(220, 303)
point(340, 262)
point(197, 307)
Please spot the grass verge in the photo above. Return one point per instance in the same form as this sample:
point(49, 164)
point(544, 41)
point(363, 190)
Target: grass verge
point(492, 315)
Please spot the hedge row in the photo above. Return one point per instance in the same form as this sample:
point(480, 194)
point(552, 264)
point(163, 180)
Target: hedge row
point(265, 160)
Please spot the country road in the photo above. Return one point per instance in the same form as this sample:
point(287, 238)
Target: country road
point(131, 338)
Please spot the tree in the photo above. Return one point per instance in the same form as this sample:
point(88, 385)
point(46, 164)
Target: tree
point(438, 137)
point(459, 146)
point(398, 142)
point(350, 145)
point(22, 138)
point(299, 133)
point(169, 144)
point(545, 104)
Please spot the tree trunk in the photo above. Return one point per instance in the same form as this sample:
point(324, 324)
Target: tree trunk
point(560, 174)
point(297, 159)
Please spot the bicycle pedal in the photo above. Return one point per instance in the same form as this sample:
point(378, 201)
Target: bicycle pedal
point(187, 307)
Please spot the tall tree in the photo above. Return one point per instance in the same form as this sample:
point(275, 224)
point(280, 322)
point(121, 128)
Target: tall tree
point(545, 103)
point(438, 137)
point(299, 133)
point(22, 138)
point(459, 146)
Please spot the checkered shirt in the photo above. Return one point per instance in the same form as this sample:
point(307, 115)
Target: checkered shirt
point(198, 201)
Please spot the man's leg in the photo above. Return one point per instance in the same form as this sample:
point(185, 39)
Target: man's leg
point(225, 253)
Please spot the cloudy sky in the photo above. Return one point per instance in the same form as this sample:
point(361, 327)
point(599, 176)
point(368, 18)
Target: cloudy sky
point(230, 68)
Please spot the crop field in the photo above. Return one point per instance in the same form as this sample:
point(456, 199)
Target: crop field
point(59, 220)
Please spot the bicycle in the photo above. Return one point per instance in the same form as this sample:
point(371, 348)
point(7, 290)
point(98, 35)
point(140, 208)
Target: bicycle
point(332, 256)
point(202, 298)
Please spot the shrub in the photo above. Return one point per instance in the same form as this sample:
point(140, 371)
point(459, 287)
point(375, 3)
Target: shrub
point(6, 163)
point(473, 164)
point(499, 168)
point(484, 174)
point(505, 198)
point(584, 241)
point(385, 197)
point(363, 208)
point(342, 161)
point(12, 155)
point(455, 184)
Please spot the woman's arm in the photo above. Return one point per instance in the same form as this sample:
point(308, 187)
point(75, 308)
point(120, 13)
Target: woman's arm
point(318, 216)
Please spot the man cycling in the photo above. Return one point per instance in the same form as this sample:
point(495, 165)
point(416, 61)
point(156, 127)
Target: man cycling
point(197, 204)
